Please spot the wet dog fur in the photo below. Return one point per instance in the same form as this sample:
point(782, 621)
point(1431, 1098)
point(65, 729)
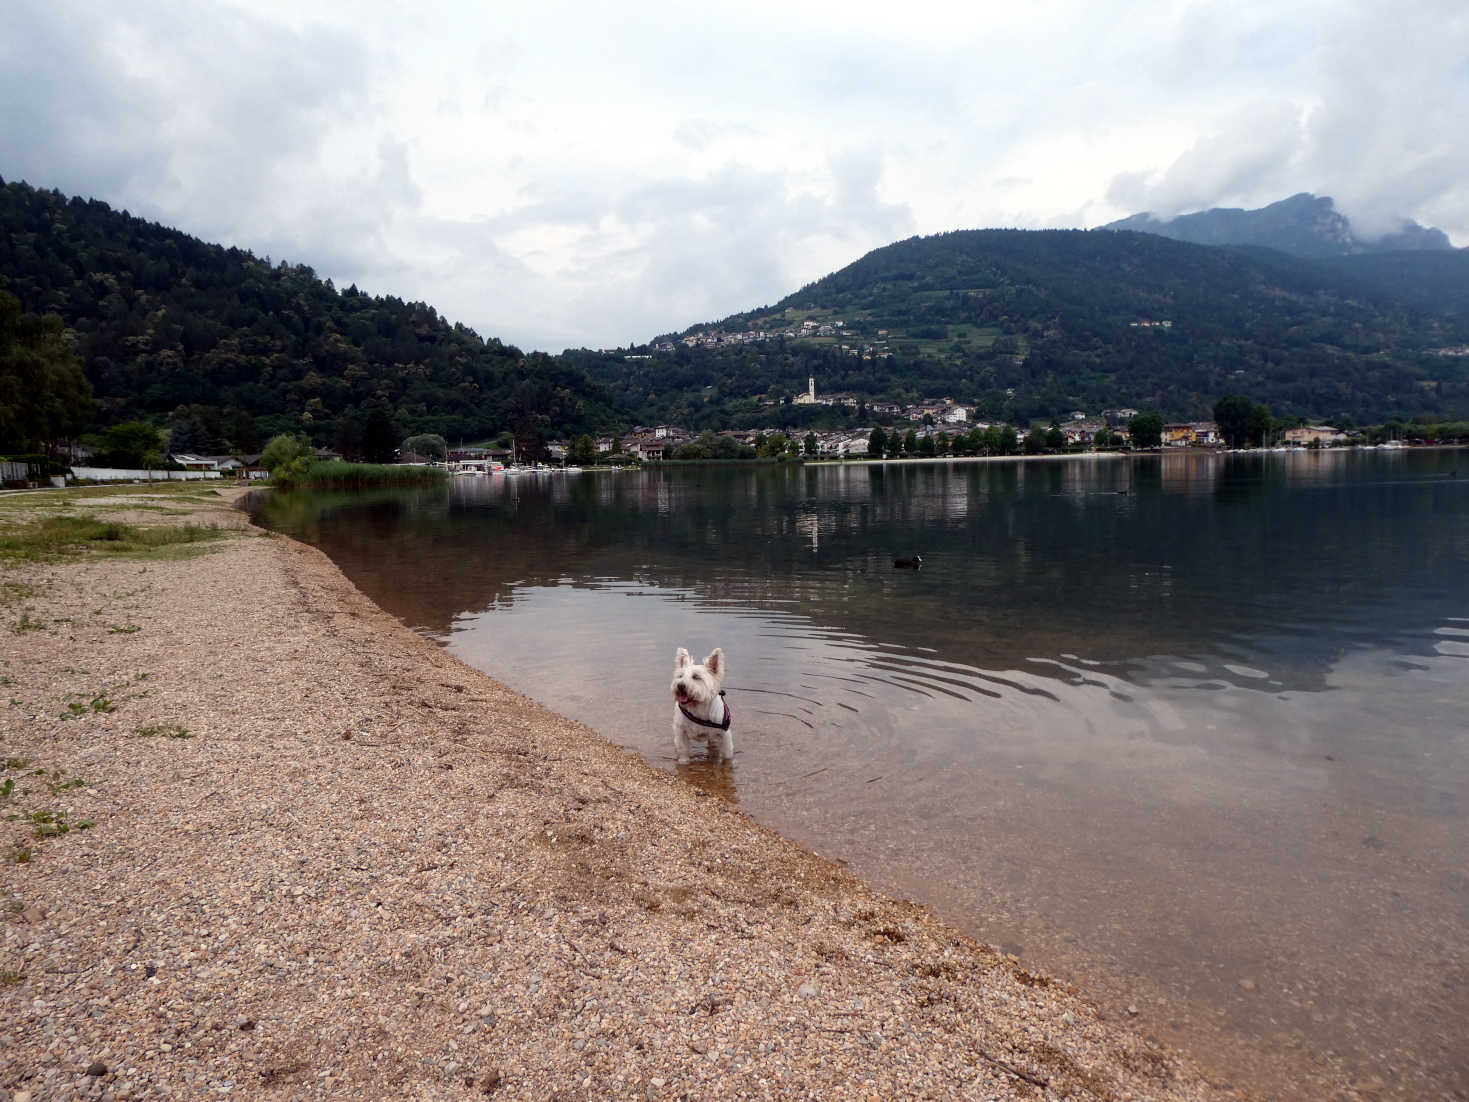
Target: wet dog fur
point(696, 687)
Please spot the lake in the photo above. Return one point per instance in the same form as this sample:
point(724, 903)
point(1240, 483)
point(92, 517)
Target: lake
point(1187, 729)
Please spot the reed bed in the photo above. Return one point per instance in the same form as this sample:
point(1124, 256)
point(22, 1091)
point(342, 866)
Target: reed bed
point(358, 476)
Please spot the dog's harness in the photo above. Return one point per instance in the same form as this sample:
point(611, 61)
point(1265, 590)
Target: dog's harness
point(724, 726)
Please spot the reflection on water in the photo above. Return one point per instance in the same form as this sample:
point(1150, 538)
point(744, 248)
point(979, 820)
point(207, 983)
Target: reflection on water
point(1187, 727)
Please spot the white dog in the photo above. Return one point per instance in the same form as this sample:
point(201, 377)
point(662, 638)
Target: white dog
point(699, 707)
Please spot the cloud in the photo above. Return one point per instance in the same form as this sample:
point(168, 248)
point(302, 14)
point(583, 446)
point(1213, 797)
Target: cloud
point(1253, 152)
point(559, 174)
point(655, 254)
point(1372, 116)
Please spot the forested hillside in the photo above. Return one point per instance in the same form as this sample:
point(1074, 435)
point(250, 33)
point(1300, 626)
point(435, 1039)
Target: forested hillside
point(219, 340)
point(1033, 324)
point(226, 349)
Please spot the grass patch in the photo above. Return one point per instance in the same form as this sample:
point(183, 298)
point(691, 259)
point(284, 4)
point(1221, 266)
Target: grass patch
point(50, 824)
point(25, 624)
point(43, 500)
point(131, 629)
point(18, 854)
point(48, 538)
point(99, 704)
point(166, 730)
point(9, 977)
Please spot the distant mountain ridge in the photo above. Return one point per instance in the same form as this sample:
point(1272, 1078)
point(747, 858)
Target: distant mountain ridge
point(1024, 325)
point(1304, 225)
point(1016, 325)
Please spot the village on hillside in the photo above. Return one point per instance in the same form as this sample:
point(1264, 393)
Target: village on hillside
point(938, 427)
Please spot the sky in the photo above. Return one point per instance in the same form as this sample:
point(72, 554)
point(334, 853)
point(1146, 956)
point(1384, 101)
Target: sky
point(592, 175)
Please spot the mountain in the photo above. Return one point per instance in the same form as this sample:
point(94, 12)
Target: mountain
point(228, 347)
point(1036, 324)
point(1304, 225)
point(170, 327)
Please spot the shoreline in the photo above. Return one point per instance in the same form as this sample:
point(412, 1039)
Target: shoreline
point(370, 870)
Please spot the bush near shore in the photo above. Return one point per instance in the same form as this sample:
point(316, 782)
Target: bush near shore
point(336, 475)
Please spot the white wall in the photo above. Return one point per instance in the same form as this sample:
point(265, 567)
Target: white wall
point(119, 474)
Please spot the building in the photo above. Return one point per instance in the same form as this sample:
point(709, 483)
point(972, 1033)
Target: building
point(1314, 434)
point(1194, 433)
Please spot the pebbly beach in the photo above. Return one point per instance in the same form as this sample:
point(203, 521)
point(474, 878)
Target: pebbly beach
point(261, 840)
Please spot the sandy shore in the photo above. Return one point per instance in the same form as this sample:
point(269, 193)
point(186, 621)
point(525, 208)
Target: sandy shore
point(369, 871)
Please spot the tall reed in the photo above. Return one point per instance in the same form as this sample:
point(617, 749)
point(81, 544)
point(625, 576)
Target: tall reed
point(358, 476)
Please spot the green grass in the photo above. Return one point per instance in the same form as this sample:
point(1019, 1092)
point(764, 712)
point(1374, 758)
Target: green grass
point(167, 730)
point(51, 537)
point(51, 824)
point(65, 499)
point(99, 704)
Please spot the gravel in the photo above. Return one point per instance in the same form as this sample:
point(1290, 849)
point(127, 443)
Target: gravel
point(327, 860)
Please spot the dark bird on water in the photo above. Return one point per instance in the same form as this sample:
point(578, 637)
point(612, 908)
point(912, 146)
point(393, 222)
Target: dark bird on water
point(909, 564)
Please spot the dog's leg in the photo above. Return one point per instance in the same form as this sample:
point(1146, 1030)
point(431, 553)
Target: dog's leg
point(680, 743)
point(726, 747)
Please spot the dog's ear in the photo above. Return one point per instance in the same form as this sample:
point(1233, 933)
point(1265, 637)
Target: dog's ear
point(681, 659)
point(715, 662)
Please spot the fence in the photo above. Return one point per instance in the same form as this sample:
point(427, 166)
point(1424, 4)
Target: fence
point(119, 474)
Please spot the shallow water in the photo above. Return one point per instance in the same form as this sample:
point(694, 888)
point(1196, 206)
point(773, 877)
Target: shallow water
point(1187, 728)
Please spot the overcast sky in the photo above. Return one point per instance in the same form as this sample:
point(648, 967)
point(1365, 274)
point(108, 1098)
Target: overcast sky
point(577, 174)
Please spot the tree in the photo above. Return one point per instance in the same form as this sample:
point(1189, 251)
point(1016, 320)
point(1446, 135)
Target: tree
point(44, 395)
point(1103, 438)
point(1035, 441)
point(773, 446)
point(1233, 414)
point(1146, 430)
point(348, 438)
point(910, 442)
point(1260, 422)
point(810, 445)
point(432, 446)
point(583, 450)
point(244, 436)
point(530, 446)
point(1055, 439)
point(379, 437)
point(877, 442)
point(187, 436)
point(284, 452)
point(131, 444)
